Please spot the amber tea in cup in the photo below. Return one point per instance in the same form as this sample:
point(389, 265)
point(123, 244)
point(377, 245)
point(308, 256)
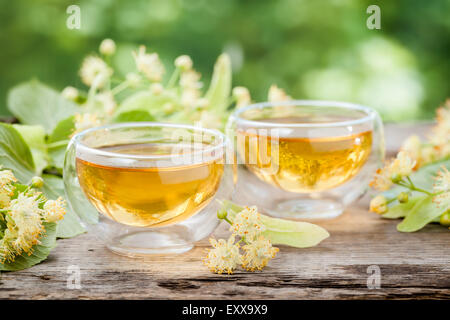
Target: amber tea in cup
point(153, 184)
point(310, 158)
point(153, 196)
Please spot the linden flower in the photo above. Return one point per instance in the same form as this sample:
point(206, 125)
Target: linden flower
point(190, 80)
point(413, 146)
point(210, 120)
point(276, 94)
point(440, 137)
point(242, 96)
point(106, 99)
point(6, 177)
point(189, 97)
point(156, 88)
point(25, 222)
point(247, 223)
point(85, 121)
point(54, 210)
point(70, 93)
point(149, 64)
point(7, 251)
point(378, 204)
point(107, 47)
point(184, 62)
point(94, 69)
point(397, 169)
point(403, 165)
point(442, 186)
point(225, 256)
point(133, 79)
point(258, 253)
point(5, 198)
point(443, 114)
point(203, 103)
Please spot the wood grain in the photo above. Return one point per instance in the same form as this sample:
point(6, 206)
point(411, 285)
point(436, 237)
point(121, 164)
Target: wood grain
point(412, 266)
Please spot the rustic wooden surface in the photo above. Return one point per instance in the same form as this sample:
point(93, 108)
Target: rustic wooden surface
point(412, 266)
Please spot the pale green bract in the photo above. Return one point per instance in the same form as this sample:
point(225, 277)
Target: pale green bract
point(285, 232)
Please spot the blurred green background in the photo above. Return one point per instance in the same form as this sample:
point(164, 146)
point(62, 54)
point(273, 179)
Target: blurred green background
point(314, 49)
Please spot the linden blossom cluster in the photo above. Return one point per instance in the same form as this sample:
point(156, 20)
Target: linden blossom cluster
point(226, 255)
point(415, 154)
point(23, 211)
point(179, 100)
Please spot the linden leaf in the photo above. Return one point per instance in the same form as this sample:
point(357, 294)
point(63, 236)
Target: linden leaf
point(34, 103)
point(134, 115)
point(58, 140)
point(34, 136)
point(424, 212)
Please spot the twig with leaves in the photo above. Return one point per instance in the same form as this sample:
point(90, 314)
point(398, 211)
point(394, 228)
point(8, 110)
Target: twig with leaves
point(413, 197)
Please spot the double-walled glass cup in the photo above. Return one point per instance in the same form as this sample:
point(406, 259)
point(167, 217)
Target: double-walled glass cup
point(305, 159)
point(155, 185)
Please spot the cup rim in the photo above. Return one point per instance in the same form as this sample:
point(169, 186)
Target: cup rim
point(85, 148)
point(369, 114)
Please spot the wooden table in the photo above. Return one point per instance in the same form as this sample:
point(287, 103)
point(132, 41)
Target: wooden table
point(412, 266)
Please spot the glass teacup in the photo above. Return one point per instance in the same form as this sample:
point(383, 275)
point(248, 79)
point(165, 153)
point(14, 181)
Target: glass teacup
point(154, 184)
point(305, 159)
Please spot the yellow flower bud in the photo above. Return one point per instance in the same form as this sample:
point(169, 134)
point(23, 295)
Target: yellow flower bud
point(378, 204)
point(445, 219)
point(37, 182)
point(70, 93)
point(402, 197)
point(184, 62)
point(107, 47)
point(222, 214)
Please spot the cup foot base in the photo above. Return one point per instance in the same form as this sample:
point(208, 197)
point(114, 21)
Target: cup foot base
point(146, 243)
point(307, 209)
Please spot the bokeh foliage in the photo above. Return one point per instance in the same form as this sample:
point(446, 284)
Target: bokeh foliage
point(318, 49)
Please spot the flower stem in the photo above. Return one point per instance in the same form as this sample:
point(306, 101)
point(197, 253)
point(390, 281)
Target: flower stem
point(228, 220)
point(120, 87)
point(173, 78)
point(410, 185)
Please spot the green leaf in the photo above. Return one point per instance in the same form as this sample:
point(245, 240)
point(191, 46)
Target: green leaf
point(424, 212)
point(400, 210)
point(40, 251)
point(287, 232)
point(219, 91)
point(148, 102)
point(135, 115)
point(70, 226)
point(34, 103)
point(58, 140)
point(34, 136)
point(63, 130)
point(15, 153)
